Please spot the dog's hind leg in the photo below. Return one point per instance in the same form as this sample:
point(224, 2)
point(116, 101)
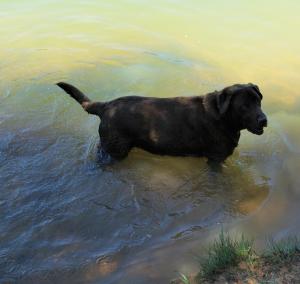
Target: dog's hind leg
point(115, 145)
point(103, 158)
point(118, 149)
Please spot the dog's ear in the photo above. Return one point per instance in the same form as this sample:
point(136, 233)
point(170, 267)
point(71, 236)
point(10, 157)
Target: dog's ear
point(224, 98)
point(256, 89)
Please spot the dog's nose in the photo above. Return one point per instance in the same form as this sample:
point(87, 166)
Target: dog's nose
point(262, 121)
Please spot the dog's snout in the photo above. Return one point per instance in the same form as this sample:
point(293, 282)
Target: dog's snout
point(262, 120)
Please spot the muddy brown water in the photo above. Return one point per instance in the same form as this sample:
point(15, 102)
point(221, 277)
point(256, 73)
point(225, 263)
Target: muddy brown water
point(64, 219)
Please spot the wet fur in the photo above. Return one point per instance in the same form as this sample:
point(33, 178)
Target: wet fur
point(204, 126)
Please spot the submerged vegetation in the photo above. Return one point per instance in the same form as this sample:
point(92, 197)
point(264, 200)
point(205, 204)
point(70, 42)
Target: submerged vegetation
point(234, 260)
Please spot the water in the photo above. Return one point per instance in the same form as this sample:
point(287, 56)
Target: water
point(66, 220)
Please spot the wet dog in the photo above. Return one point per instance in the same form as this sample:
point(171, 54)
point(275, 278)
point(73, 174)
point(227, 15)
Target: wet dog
point(204, 126)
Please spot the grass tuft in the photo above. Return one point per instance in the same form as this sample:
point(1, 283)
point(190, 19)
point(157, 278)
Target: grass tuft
point(283, 250)
point(184, 279)
point(225, 252)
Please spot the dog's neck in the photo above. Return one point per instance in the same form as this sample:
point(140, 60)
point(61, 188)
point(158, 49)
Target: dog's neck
point(231, 130)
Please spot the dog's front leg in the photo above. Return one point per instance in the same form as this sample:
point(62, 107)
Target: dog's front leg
point(215, 162)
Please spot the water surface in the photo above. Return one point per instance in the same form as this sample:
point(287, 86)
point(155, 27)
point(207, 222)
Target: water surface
point(64, 219)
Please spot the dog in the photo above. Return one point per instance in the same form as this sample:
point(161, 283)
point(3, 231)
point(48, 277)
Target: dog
point(203, 126)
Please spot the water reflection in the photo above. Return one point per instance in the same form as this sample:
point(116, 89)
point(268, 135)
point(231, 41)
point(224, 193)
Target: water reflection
point(65, 209)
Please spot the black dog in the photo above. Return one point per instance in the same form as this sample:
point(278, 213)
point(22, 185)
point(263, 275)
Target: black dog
point(206, 126)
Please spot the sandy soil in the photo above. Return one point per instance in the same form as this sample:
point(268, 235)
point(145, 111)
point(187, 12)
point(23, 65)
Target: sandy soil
point(262, 271)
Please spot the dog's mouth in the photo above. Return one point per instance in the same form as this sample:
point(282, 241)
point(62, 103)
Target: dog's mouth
point(257, 131)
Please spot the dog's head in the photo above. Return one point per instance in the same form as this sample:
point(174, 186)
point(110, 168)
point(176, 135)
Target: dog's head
point(243, 103)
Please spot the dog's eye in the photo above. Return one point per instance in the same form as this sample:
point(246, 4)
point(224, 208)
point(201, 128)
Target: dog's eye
point(257, 101)
point(245, 107)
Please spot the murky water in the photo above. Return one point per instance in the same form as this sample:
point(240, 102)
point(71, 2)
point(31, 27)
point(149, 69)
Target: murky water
point(64, 219)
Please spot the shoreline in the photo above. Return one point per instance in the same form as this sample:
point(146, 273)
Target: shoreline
point(229, 260)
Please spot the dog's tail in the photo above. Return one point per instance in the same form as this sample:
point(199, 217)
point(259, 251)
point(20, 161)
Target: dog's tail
point(89, 106)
